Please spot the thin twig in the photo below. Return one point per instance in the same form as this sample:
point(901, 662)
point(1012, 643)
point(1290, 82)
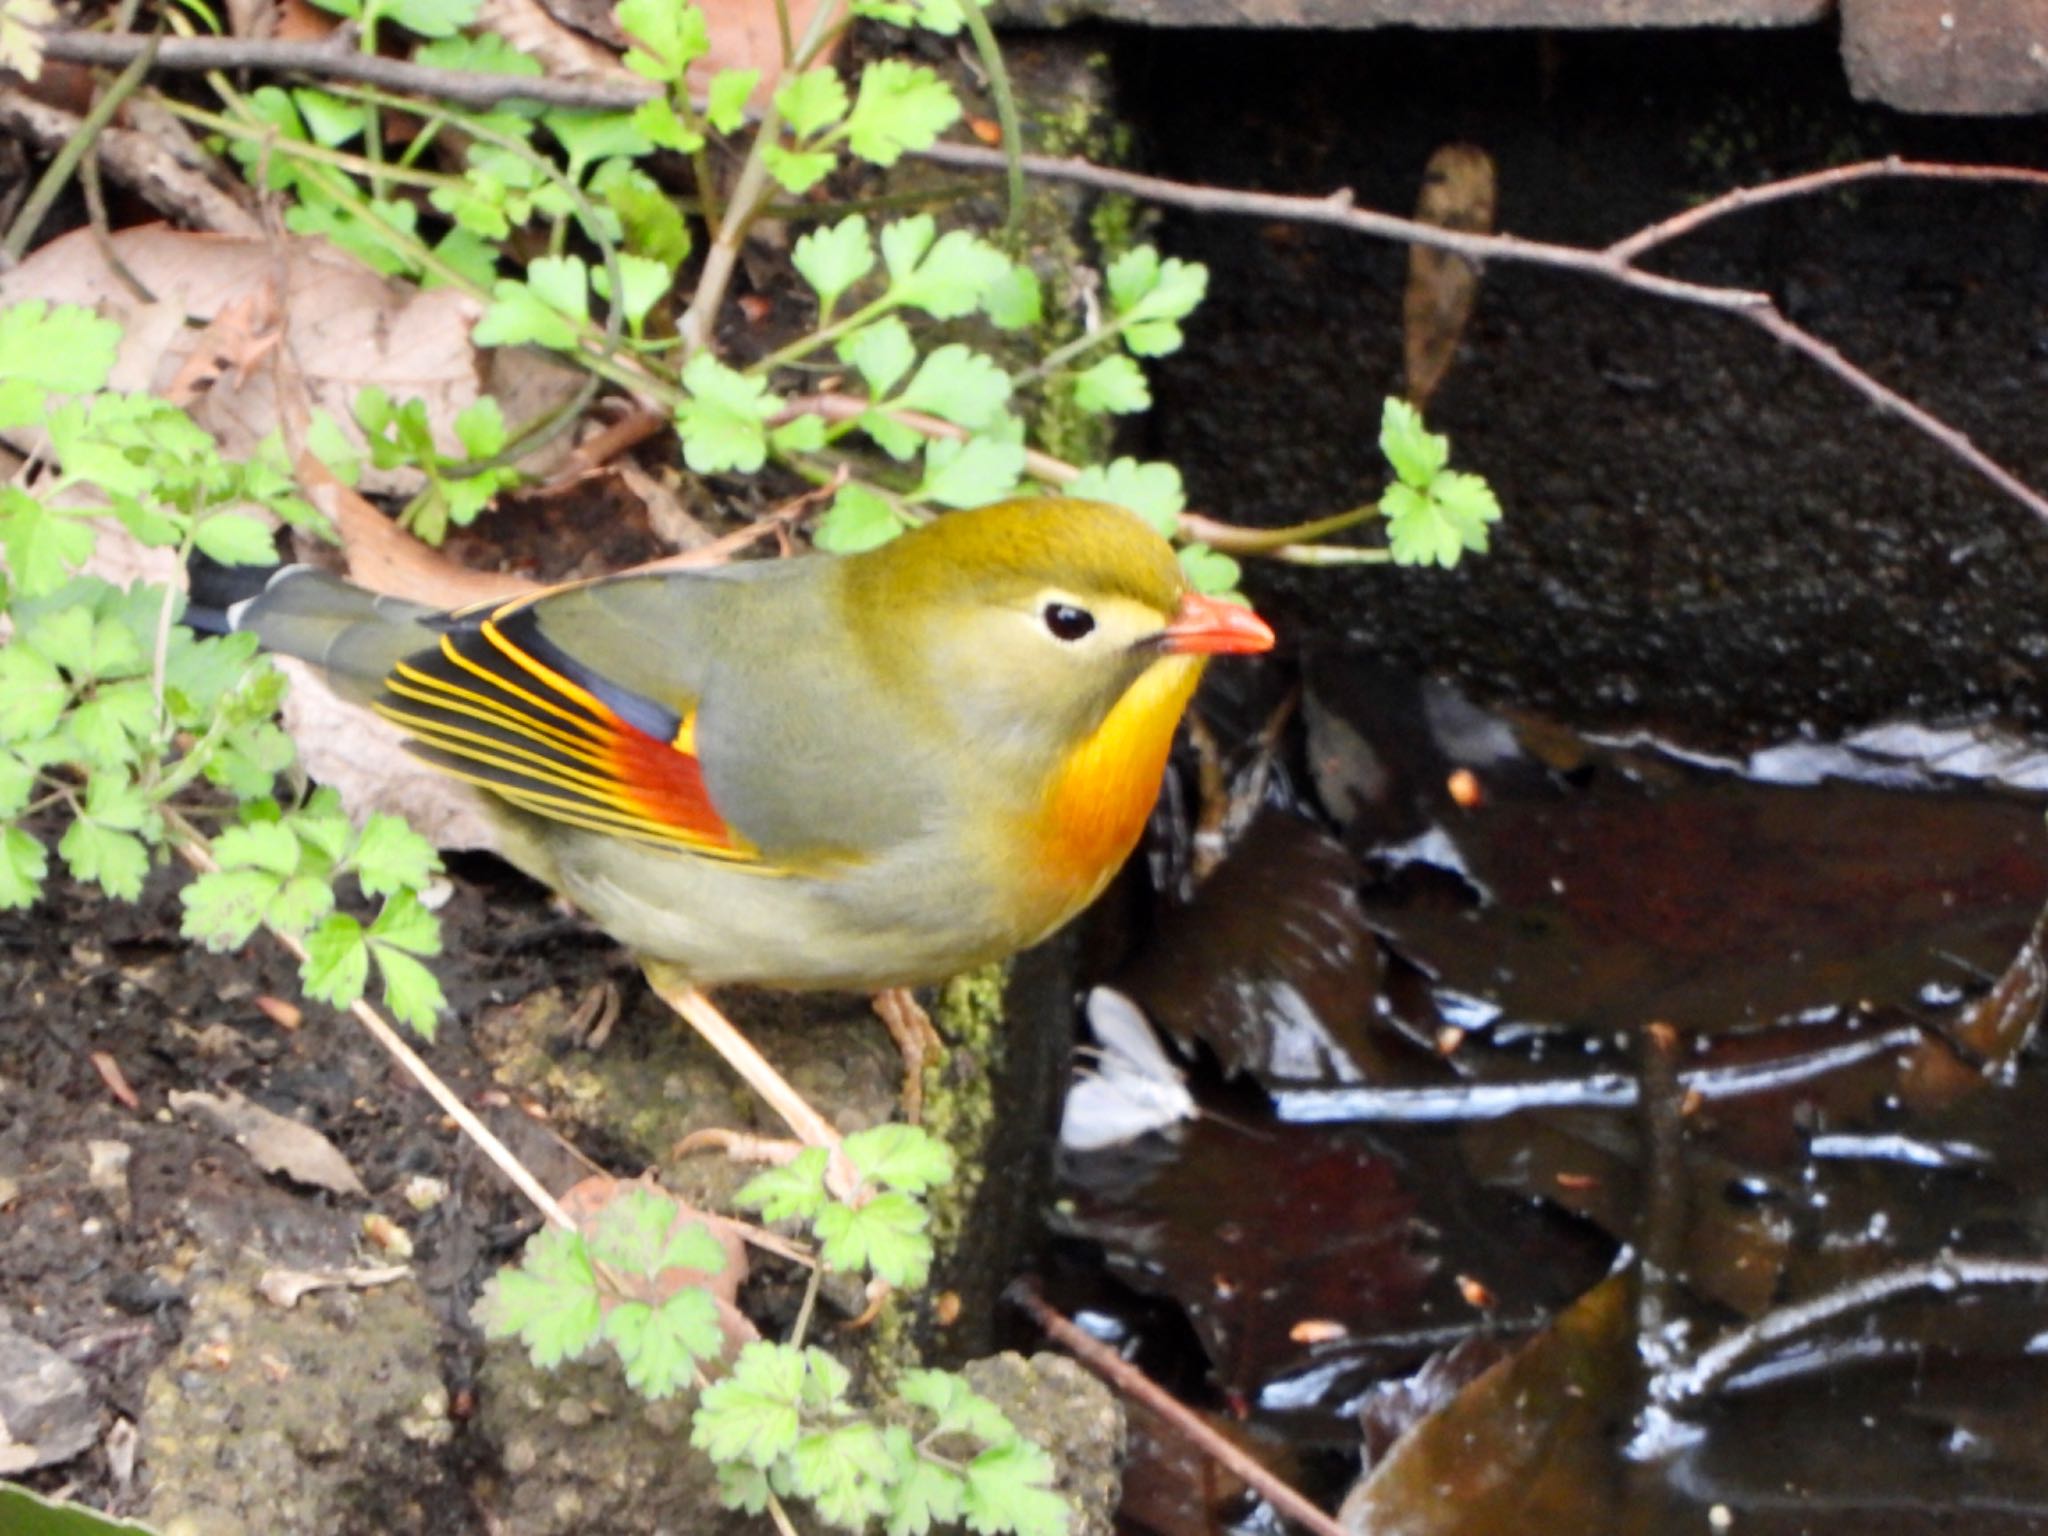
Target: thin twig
point(1136, 1385)
point(462, 87)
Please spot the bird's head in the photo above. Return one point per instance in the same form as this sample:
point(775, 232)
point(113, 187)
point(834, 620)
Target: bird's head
point(1039, 623)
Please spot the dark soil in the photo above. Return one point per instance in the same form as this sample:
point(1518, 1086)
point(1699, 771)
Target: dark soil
point(100, 1273)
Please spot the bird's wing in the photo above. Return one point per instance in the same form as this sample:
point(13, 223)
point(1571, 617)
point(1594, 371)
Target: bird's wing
point(498, 703)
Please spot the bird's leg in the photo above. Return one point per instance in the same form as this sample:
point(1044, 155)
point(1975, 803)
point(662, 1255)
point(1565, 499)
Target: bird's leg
point(673, 988)
point(911, 1028)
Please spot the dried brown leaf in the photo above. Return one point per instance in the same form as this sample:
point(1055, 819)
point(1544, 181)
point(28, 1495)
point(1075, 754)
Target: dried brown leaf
point(277, 1143)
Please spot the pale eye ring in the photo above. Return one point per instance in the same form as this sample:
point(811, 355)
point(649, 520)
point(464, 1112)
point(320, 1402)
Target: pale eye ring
point(1066, 622)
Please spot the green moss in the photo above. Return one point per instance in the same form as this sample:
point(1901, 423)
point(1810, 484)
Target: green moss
point(959, 1106)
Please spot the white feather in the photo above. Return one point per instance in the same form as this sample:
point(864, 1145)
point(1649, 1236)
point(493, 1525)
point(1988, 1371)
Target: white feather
point(1134, 1087)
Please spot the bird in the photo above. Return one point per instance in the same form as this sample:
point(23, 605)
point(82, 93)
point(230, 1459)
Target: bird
point(861, 772)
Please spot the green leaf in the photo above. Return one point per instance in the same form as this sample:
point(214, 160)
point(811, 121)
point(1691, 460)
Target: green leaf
point(518, 316)
point(562, 283)
point(33, 694)
point(743, 1486)
point(337, 964)
point(951, 279)
point(800, 434)
point(812, 101)
point(652, 223)
point(265, 845)
point(956, 1406)
point(330, 120)
point(1153, 491)
point(959, 385)
point(797, 170)
point(23, 864)
point(904, 243)
point(115, 861)
point(970, 474)
point(1148, 295)
point(1439, 525)
point(322, 824)
point(658, 122)
point(1015, 300)
point(885, 1236)
point(631, 1232)
point(1468, 503)
point(224, 907)
point(670, 35)
point(1009, 1489)
point(843, 1471)
point(1416, 454)
point(723, 424)
point(485, 54)
point(833, 259)
point(1115, 384)
point(404, 924)
point(726, 102)
point(589, 137)
point(858, 519)
point(646, 283)
point(480, 427)
point(922, 1493)
point(67, 350)
point(431, 18)
point(391, 857)
point(882, 352)
point(1210, 571)
point(300, 903)
point(549, 1301)
point(43, 546)
point(105, 725)
point(751, 1416)
point(901, 108)
point(412, 993)
point(901, 1157)
point(796, 1190)
point(234, 538)
point(662, 1346)
point(17, 783)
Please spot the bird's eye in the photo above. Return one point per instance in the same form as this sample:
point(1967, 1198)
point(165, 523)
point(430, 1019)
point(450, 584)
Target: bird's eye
point(1066, 622)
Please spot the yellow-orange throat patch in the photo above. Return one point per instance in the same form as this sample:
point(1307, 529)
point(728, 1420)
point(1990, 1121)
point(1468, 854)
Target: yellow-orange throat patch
point(1103, 792)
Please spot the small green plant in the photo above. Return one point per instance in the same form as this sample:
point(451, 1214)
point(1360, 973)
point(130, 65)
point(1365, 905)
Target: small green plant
point(127, 737)
point(782, 1423)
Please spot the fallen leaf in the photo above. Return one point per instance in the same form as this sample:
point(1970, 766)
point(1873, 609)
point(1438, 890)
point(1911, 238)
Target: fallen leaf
point(1458, 193)
point(278, 1144)
point(343, 328)
point(1524, 1447)
point(285, 1288)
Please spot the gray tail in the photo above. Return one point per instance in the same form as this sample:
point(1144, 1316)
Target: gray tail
point(356, 637)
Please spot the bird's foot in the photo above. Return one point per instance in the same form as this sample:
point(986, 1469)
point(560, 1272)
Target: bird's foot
point(921, 1044)
point(740, 1146)
point(596, 1012)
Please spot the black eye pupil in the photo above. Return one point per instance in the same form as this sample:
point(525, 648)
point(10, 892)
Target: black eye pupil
point(1068, 622)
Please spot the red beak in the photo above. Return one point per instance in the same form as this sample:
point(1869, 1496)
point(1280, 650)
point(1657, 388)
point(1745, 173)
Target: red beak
point(1211, 627)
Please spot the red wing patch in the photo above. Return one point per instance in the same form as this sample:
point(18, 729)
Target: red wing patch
point(502, 706)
